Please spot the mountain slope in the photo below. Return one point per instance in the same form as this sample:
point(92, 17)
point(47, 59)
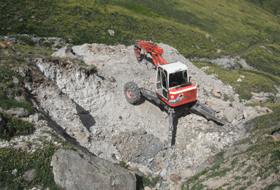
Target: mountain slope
point(234, 27)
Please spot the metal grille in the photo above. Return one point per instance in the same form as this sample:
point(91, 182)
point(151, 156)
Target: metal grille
point(190, 95)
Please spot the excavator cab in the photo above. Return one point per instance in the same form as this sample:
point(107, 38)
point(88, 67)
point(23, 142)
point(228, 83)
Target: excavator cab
point(173, 85)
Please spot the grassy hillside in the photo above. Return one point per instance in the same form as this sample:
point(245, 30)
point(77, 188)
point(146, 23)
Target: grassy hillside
point(237, 27)
point(272, 6)
point(252, 81)
point(252, 163)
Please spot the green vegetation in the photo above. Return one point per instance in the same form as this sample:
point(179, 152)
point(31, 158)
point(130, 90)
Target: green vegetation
point(149, 181)
point(253, 81)
point(263, 152)
point(235, 27)
point(261, 59)
point(123, 164)
point(48, 44)
point(8, 104)
point(21, 160)
point(272, 6)
point(267, 75)
point(11, 82)
point(15, 127)
point(26, 40)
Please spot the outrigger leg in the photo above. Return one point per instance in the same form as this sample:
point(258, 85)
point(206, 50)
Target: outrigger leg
point(170, 111)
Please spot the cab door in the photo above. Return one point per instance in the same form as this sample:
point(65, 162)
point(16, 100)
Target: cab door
point(164, 82)
point(161, 83)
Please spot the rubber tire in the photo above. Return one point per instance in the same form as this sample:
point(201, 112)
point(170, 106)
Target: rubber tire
point(134, 92)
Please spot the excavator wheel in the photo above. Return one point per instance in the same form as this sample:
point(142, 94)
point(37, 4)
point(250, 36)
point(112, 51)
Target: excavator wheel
point(132, 93)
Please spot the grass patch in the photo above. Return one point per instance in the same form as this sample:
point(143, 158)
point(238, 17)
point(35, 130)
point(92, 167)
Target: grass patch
point(149, 181)
point(272, 6)
point(15, 127)
point(252, 81)
point(267, 75)
point(26, 40)
point(122, 164)
point(234, 162)
point(48, 44)
point(29, 51)
point(21, 160)
point(7, 104)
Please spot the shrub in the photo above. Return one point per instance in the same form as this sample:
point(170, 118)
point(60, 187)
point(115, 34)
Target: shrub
point(15, 126)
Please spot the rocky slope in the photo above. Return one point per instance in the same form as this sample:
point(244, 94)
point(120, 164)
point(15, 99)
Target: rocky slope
point(90, 106)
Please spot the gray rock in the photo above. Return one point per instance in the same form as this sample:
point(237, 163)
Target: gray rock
point(270, 52)
point(166, 164)
point(15, 80)
point(257, 100)
point(263, 110)
point(2, 123)
point(20, 112)
point(163, 174)
point(243, 63)
point(230, 113)
point(29, 175)
point(175, 177)
point(111, 32)
point(249, 113)
point(76, 170)
point(216, 104)
point(14, 172)
point(219, 51)
point(216, 88)
point(22, 71)
point(256, 94)
point(275, 100)
point(207, 36)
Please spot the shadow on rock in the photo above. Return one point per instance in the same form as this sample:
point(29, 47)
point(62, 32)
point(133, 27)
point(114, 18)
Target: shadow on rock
point(85, 117)
point(147, 59)
point(179, 112)
point(58, 129)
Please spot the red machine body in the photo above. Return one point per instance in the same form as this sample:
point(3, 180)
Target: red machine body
point(180, 96)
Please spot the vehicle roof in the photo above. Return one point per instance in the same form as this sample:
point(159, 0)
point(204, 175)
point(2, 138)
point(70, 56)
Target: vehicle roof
point(174, 67)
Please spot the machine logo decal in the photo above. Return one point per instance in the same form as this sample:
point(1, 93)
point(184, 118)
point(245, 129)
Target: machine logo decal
point(177, 100)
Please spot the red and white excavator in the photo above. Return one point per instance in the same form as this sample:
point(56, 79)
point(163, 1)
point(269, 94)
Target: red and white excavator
point(173, 86)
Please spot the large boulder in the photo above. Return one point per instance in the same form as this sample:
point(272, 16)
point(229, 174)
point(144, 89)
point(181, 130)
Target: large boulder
point(230, 113)
point(2, 123)
point(76, 170)
point(217, 104)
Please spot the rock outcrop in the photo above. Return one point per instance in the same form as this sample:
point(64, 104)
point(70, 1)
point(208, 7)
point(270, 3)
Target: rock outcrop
point(90, 106)
point(76, 171)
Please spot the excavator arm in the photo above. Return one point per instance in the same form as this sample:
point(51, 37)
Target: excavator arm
point(150, 48)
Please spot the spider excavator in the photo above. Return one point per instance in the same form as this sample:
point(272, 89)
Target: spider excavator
point(173, 87)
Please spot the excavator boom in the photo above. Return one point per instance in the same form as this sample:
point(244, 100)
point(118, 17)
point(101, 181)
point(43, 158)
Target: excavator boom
point(150, 48)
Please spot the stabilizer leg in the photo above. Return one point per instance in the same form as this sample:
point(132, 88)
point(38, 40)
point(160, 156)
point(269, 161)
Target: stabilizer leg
point(170, 111)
